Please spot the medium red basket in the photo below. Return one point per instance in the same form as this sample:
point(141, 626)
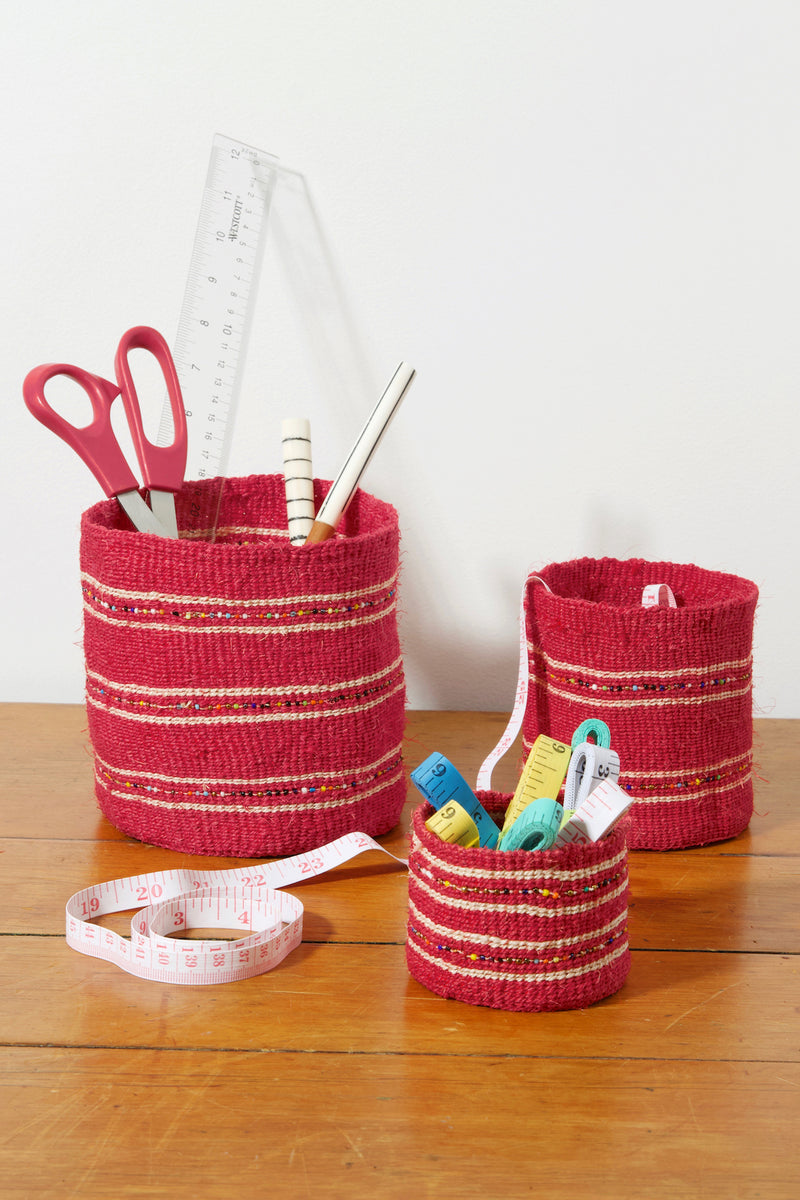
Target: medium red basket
point(527, 931)
point(674, 686)
point(245, 697)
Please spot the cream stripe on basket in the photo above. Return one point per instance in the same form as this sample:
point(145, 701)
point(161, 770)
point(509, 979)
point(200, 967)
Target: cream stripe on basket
point(566, 876)
point(591, 966)
point(483, 906)
point(526, 944)
point(193, 718)
point(321, 797)
point(641, 672)
point(213, 601)
point(233, 784)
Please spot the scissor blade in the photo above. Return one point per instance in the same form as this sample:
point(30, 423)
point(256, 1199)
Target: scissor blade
point(143, 518)
point(163, 506)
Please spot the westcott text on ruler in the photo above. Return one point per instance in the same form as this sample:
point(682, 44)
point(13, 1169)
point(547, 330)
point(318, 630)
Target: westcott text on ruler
point(217, 311)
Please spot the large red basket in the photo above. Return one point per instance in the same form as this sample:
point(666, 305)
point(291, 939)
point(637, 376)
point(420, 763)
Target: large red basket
point(245, 697)
point(674, 686)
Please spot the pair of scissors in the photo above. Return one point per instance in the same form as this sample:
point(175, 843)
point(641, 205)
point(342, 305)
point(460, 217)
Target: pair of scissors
point(162, 467)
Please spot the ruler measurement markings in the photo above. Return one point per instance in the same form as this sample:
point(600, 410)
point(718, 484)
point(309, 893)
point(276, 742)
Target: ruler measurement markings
point(218, 299)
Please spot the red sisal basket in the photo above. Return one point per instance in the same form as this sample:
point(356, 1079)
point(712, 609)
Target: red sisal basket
point(674, 686)
point(245, 697)
point(527, 931)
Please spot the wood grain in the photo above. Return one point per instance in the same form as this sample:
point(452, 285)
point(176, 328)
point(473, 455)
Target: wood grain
point(161, 1123)
point(338, 1075)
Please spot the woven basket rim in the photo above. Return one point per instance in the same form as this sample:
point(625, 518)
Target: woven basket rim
point(377, 518)
point(517, 862)
point(708, 590)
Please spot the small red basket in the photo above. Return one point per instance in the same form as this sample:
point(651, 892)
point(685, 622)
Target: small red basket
point(245, 697)
point(674, 686)
point(527, 931)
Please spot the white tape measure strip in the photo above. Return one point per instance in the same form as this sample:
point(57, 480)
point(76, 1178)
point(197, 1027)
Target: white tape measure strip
point(654, 595)
point(598, 813)
point(658, 595)
point(589, 766)
point(188, 898)
point(484, 781)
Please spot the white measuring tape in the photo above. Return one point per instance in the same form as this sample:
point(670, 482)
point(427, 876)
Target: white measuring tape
point(190, 897)
point(654, 595)
point(484, 781)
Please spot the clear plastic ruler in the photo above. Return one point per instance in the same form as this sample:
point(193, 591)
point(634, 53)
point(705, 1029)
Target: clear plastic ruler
point(218, 304)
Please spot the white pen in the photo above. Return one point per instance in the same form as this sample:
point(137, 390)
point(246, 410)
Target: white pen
point(298, 477)
point(343, 487)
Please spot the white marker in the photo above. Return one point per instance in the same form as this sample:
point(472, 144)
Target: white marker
point(343, 487)
point(299, 477)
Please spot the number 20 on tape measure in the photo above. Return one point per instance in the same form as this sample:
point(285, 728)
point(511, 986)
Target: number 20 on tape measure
point(180, 900)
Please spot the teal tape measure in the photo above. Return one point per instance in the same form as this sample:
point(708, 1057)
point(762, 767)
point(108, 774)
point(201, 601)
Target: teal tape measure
point(536, 827)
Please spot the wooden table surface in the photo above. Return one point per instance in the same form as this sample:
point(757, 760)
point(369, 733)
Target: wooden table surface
point(336, 1074)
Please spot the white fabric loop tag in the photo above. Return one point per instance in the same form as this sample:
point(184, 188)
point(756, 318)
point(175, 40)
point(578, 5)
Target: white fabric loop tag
point(484, 781)
point(658, 595)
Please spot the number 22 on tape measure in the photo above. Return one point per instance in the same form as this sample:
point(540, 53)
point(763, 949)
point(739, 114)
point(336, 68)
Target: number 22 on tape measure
point(178, 900)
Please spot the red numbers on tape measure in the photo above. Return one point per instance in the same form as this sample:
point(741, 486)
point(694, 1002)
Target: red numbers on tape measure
point(174, 900)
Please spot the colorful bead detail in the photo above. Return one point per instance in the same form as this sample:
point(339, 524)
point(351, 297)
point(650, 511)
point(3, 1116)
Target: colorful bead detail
point(545, 893)
point(555, 960)
point(246, 614)
point(686, 784)
point(247, 706)
point(203, 792)
point(645, 689)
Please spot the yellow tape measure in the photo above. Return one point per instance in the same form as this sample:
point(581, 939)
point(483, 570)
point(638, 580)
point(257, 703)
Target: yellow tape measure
point(452, 823)
point(542, 776)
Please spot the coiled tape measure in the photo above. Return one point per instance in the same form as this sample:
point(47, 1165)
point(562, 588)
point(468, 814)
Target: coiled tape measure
point(447, 790)
point(189, 898)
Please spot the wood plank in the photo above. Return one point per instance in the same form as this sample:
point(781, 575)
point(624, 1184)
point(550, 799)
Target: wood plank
point(95, 1124)
point(360, 999)
point(679, 900)
point(48, 769)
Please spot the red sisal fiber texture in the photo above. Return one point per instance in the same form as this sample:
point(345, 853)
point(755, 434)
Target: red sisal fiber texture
point(674, 686)
point(527, 931)
point(245, 697)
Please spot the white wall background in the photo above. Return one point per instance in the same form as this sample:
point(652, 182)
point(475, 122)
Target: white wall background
point(580, 221)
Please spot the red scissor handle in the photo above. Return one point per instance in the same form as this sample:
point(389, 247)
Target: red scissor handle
point(95, 443)
point(163, 467)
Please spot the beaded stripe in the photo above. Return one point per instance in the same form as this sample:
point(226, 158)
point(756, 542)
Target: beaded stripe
point(606, 696)
point(266, 785)
point(591, 967)
point(517, 876)
point(444, 895)
point(186, 601)
point(659, 673)
point(358, 618)
point(192, 713)
point(542, 957)
point(502, 943)
point(697, 788)
point(290, 690)
point(304, 800)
